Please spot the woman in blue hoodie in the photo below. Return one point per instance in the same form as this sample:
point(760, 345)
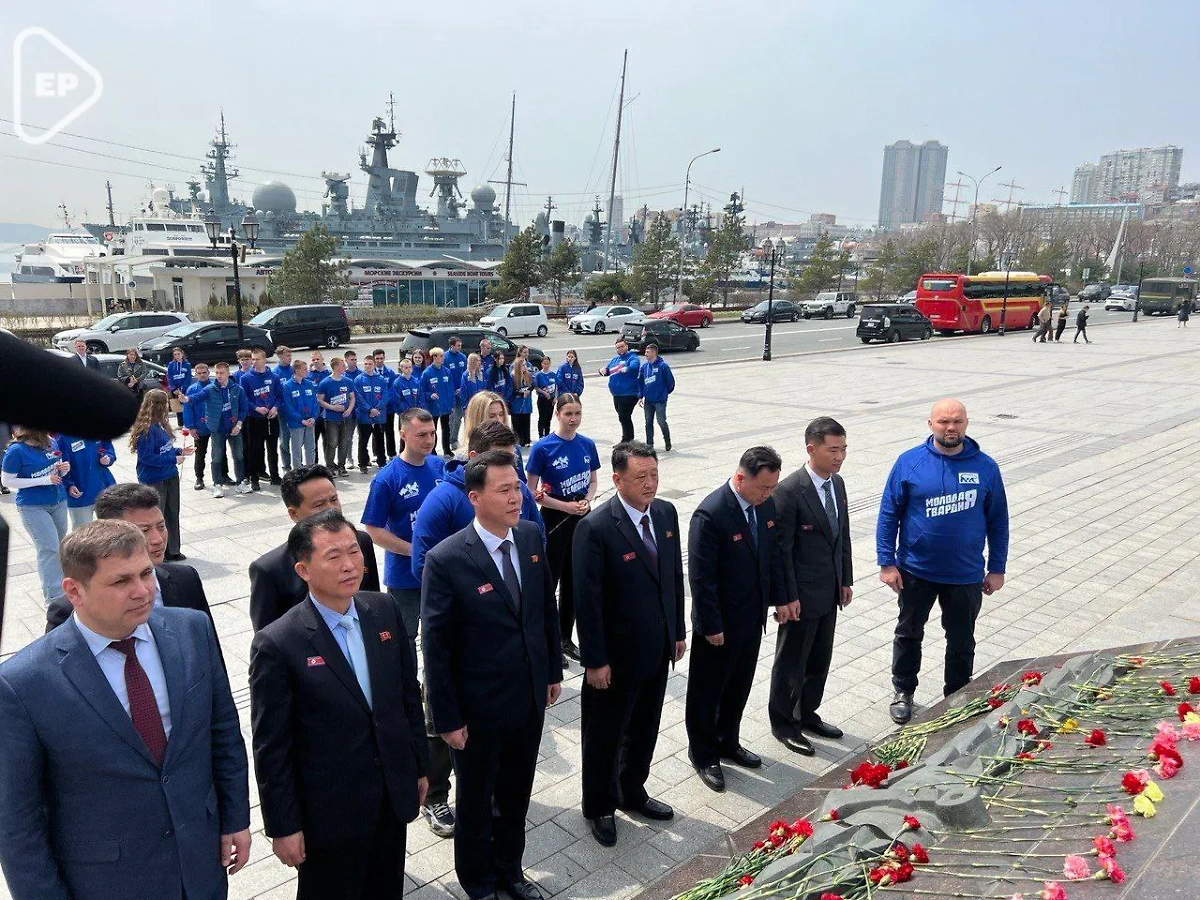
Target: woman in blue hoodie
point(546, 385)
point(437, 394)
point(88, 476)
point(152, 440)
point(500, 378)
point(521, 401)
point(570, 375)
point(473, 380)
point(179, 378)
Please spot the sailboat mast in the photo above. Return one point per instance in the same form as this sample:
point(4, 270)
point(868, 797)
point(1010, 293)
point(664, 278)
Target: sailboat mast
point(508, 182)
point(612, 187)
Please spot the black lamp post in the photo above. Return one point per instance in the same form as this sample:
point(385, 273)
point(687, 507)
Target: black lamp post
point(1137, 297)
point(212, 225)
point(770, 308)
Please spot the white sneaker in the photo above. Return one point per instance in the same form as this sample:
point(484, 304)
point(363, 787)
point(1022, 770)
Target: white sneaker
point(244, 488)
point(218, 491)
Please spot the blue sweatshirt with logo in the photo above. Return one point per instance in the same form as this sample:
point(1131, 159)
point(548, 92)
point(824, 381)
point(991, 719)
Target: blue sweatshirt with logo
point(156, 455)
point(456, 362)
point(371, 392)
point(938, 511)
point(655, 381)
point(437, 380)
point(299, 402)
point(87, 473)
point(406, 393)
point(623, 375)
point(195, 416)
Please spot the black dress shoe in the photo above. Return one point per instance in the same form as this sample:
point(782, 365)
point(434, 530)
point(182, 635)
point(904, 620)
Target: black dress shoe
point(823, 729)
point(652, 809)
point(569, 649)
point(712, 776)
point(604, 830)
point(522, 889)
point(743, 757)
point(901, 709)
point(797, 744)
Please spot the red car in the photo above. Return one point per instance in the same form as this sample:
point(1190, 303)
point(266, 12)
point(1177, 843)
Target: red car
point(687, 314)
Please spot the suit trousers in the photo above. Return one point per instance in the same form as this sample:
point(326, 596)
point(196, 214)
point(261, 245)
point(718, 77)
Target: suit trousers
point(560, 533)
point(494, 766)
point(619, 730)
point(960, 608)
point(719, 682)
point(625, 407)
point(803, 653)
point(168, 502)
point(262, 446)
point(371, 870)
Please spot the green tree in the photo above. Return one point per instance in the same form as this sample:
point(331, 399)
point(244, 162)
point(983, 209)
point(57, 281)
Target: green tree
point(310, 273)
point(600, 289)
point(725, 248)
point(560, 268)
point(655, 259)
point(819, 271)
point(521, 268)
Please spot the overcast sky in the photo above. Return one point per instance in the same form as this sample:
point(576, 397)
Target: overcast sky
point(801, 97)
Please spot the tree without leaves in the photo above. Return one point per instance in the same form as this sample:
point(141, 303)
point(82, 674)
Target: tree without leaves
point(309, 272)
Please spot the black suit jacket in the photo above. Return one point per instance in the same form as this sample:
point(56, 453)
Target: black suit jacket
point(487, 662)
point(322, 755)
point(733, 584)
point(180, 585)
point(817, 562)
point(275, 587)
point(629, 612)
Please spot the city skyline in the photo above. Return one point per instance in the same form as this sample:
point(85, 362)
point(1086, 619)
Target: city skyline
point(913, 183)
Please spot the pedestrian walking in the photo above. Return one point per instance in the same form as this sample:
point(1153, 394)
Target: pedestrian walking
point(225, 412)
point(622, 374)
point(1081, 321)
point(437, 394)
point(33, 467)
point(456, 362)
point(131, 371)
point(179, 379)
point(1060, 325)
point(90, 473)
point(656, 381)
point(336, 397)
point(521, 402)
point(1185, 313)
point(943, 502)
point(152, 439)
point(1043, 318)
point(545, 385)
point(301, 414)
point(570, 375)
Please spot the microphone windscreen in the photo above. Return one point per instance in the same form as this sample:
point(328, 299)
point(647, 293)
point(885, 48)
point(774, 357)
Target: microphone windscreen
point(49, 392)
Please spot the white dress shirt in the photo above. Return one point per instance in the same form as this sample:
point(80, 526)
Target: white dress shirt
point(636, 518)
point(112, 664)
point(819, 484)
point(492, 544)
point(742, 501)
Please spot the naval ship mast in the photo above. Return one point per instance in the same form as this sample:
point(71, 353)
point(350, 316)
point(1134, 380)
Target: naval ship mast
point(508, 181)
point(612, 187)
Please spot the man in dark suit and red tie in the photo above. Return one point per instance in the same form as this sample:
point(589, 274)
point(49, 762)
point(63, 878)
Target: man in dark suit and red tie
point(735, 569)
point(815, 540)
point(339, 737)
point(493, 663)
point(628, 567)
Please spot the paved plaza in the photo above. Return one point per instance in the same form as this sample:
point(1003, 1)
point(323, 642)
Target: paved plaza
point(1097, 445)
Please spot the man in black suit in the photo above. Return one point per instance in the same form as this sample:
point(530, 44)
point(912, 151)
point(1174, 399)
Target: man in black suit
point(339, 738)
point(628, 566)
point(492, 666)
point(274, 585)
point(177, 584)
point(736, 572)
point(815, 539)
point(84, 356)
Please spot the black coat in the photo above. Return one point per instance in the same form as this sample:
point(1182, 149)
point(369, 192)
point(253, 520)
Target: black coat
point(629, 613)
point(275, 587)
point(486, 663)
point(322, 755)
point(733, 585)
point(817, 562)
point(180, 585)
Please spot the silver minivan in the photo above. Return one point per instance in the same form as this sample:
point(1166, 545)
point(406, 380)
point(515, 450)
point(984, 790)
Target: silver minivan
point(517, 319)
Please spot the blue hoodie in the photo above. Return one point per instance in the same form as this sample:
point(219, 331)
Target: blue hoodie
point(262, 389)
point(195, 416)
point(447, 510)
point(156, 455)
point(179, 376)
point(87, 472)
point(655, 381)
point(623, 375)
point(406, 393)
point(299, 402)
point(456, 362)
point(570, 379)
point(468, 388)
point(944, 509)
point(437, 380)
point(372, 393)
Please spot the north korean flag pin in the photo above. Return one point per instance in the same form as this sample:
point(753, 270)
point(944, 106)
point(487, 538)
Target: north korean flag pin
point(533, 559)
point(670, 534)
point(484, 588)
point(737, 537)
point(770, 523)
point(316, 661)
point(385, 635)
point(629, 556)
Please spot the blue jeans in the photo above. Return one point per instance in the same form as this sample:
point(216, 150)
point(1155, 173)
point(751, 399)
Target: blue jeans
point(81, 515)
point(656, 410)
point(302, 446)
point(47, 526)
point(219, 440)
point(285, 444)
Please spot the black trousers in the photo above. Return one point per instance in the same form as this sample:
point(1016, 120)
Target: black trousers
point(200, 455)
point(803, 653)
point(620, 729)
point(719, 682)
point(443, 425)
point(494, 766)
point(521, 427)
point(1060, 328)
point(262, 446)
point(1080, 329)
point(545, 415)
point(168, 502)
point(625, 407)
point(960, 608)
point(389, 434)
point(374, 434)
point(318, 436)
point(560, 534)
point(367, 870)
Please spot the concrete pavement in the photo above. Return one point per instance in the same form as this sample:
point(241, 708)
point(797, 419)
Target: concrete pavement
point(1097, 445)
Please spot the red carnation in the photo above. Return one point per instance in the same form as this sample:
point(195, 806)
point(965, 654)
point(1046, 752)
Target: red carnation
point(758, 845)
point(746, 880)
point(802, 827)
point(1031, 678)
point(911, 823)
point(828, 896)
point(1135, 782)
point(900, 852)
point(903, 764)
point(919, 854)
point(1183, 709)
point(1104, 845)
point(777, 839)
point(870, 774)
point(999, 688)
point(1096, 739)
point(1027, 756)
point(1044, 745)
point(1109, 867)
point(1167, 688)
point(832, 815)
point(1137, 660)
point(904, 872)
point(1027, 726)
point(994, 703)
point(1194, 684)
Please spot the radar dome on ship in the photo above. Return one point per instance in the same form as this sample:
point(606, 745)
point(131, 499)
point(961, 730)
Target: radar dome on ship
point(274, 197)
point(483, 196)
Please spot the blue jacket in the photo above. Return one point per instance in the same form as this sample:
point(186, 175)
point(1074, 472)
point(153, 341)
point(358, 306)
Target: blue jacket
point(156, 455)
point(623, 375)
point(216, 398)
point(87, 812)
point(195, 416)
point(548, 382)
point(179, 375)
point(262, 389)
point(521, 401)
point(456, 362)
point(447, 510)
point(655, 381)
point(440, 381)
point(499, 381)
point(87, 472)
point(944, 508)
point(372, 393)
point(388, 376)
point(406, 393)
point(299, 402)
point(468, 388)
point(570, 380)
point(282, 372)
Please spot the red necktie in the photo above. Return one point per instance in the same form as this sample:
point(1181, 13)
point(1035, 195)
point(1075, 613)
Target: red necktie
point(143, 708)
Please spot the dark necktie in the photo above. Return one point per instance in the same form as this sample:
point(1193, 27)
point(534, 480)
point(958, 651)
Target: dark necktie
point(143, 708)
point(648, 540)
point(830, 505)
point(752, 520)
point(509, 572)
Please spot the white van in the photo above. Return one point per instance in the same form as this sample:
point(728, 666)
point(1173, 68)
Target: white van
point(517, 319)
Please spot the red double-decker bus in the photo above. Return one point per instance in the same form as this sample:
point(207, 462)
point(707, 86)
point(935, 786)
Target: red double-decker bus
point(976, 303)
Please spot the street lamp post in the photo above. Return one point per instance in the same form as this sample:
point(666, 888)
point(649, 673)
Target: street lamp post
point(687, 181)
point(1137, 297)
point(770, 308)
point(212, 225)
point(975, 210)
point(1004, 305)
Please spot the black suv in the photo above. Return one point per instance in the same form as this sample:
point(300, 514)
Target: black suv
point(470, 335)
point(311, 325)
point(892, 322)
point(207, 342)
point(1097, 292)
point(667, 334)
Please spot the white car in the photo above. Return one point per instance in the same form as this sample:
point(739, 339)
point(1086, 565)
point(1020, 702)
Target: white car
point(1122, 300)
point(604, 319)
point(517, 320)
point(120, 331)
point(828, 304)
